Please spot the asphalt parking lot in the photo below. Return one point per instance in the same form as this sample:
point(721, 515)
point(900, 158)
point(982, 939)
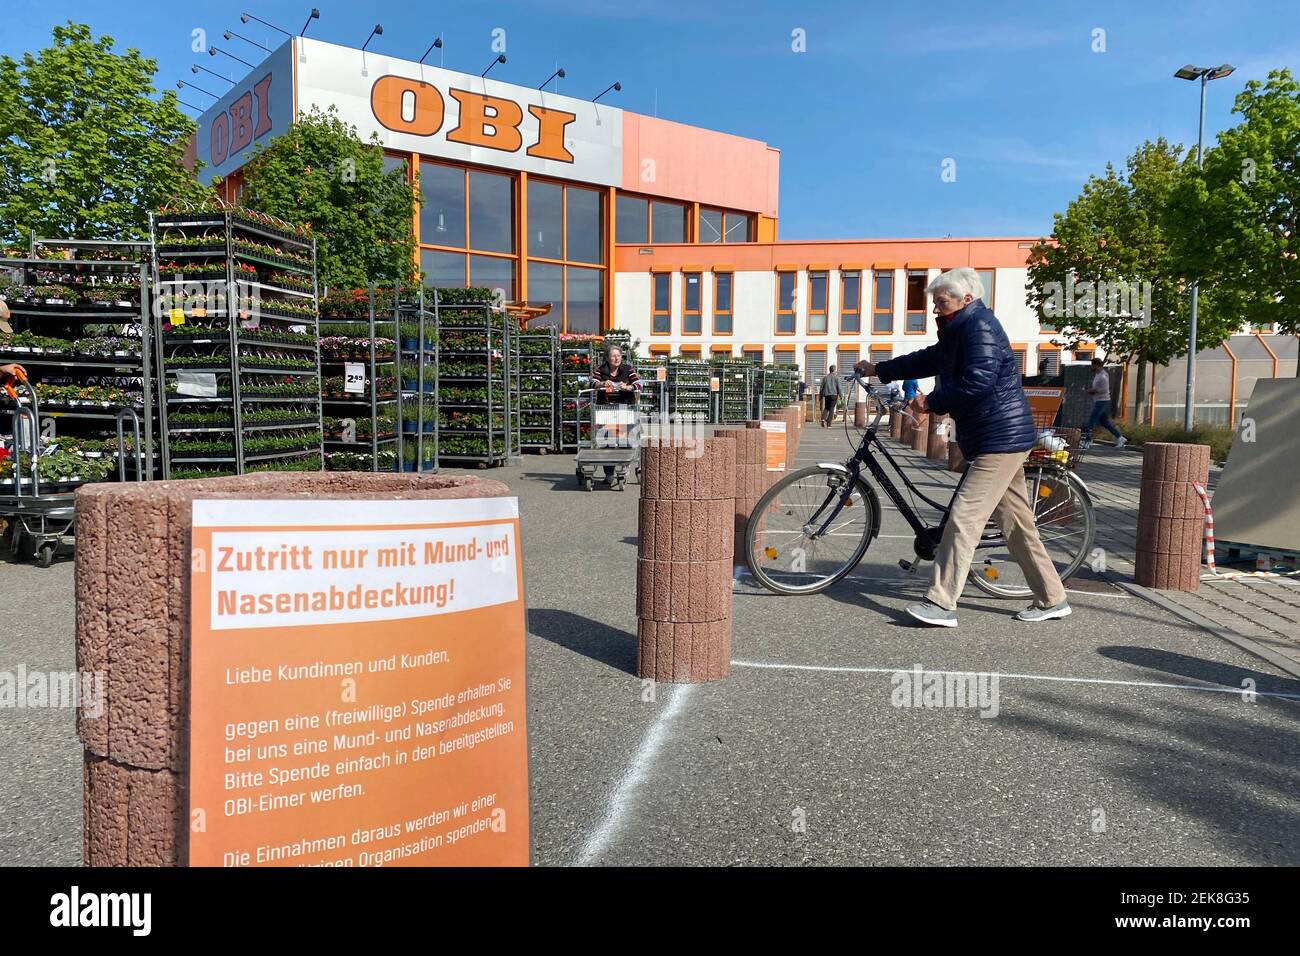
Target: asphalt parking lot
point(1121, 735)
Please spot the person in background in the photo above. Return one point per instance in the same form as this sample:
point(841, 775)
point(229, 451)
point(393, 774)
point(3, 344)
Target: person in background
point(831, 391)
point(1100, 392)
point(803, 388)
point(980, 388)
point(911, 389)
point(616, 383)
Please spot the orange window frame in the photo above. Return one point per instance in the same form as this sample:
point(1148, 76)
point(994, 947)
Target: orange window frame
point(909, 312)
point(1022, 355)
point(749, 351)
point(794, 298)
point(876, 310)
point(729, 311)
point(1047, 348)
point(823, 312)
point(783, 355)
point(517, 197)
point(655, 310)
point(698, 311)
point(856, 311)
point(993, 285)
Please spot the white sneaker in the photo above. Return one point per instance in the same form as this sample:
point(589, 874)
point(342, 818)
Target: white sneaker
point(1121, 441)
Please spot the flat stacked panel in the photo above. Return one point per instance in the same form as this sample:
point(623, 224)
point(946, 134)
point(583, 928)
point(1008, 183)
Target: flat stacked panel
point(684, 560)
point(1171, 518)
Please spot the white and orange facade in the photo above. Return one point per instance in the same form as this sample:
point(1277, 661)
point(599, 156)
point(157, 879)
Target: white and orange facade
point(617, 220)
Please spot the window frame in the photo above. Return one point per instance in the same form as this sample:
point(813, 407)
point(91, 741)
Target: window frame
point(565, 263)
point(793, 311)
point(993, 284)
point(655, 311)
point(924, 276)
point(857, 310)
point(876, 310)
point(730, 310)
point(699, 309)
point(824, 313)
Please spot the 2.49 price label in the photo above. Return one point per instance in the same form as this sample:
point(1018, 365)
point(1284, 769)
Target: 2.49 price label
point(354, 378)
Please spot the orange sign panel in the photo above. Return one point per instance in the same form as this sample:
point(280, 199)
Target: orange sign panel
point(357, 684)
point(1044, 403)
point(775, 445)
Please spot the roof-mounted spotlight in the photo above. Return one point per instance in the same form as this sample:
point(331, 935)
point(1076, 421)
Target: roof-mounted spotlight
point(245, 17)
point(435, 45)
point(378, 31)
point(560, 73)
point(501, 58)
point(616, 87)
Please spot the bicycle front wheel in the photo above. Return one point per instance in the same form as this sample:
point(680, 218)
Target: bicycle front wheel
point(1063, 515)
point(809, 530)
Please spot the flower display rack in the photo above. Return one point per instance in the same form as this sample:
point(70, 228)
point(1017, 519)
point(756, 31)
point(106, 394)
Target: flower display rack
point(361, 365)
point(780, 387)
point(688, 387)
point(418, 312)
point(80, 327)
point(578, 357)
point(539, 388)
point(736, 381)
point(477, 380)
point(238, 343)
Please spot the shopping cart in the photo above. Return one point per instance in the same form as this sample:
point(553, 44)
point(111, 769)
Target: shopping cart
point(612, 443)
point(38, 522)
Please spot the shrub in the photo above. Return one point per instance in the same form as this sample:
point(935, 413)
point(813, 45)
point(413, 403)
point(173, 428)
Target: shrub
point(1217, 437)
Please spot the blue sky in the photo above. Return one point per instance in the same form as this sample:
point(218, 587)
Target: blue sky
point(885, 92)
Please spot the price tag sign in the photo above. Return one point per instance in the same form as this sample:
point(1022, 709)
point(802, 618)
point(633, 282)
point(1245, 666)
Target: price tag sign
point(176, 316)
point(199, 312)
point(661, 374)
point(354, 378)
point(714, 384)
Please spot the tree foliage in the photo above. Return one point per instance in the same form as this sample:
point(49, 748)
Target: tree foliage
point(1236, 223)
point(321, 173)
point(86, 150)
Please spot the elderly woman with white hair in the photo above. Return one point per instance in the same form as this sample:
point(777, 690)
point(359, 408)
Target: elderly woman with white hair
point(979, 387)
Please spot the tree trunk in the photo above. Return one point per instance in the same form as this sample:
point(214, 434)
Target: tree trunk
point(1140, 399)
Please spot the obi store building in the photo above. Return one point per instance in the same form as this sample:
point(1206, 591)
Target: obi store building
point(618, 220)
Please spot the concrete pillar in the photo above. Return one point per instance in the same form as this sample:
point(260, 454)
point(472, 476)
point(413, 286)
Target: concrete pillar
point(955, 460)
point(896, 424)
point(860, 415)
point(684, 563)
point(920, 433)
point(751, 482)
point(132, 578)
point(1171, 518)
point(937, 442)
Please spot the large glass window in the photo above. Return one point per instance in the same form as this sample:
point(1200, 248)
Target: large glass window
point(546, 284)
point(667, 222)
point(584, 299)
point(785, 286)
point(882, 308)
point(662, 303)
point(633, 219)
point(722, 303)
point(491, 212)
point(739, 227)
point(443, 269)
point(986, 277)
point(493, 272)
point(545, 221)
point(710, 225)
point(582, 226)
point(816, 302)
point(442, 216)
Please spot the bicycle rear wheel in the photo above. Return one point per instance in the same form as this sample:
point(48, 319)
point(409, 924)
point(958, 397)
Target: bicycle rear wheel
point(1063, 515)
point(786, 548)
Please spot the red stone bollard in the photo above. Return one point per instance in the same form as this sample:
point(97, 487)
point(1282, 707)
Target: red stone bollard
point(751, 481)
point(955, 460)
point(684, 564)
point(921, 433)
point(896, 420)
point(937, 442)
point(860, 415)
point(1171, 517)
point(132, 586)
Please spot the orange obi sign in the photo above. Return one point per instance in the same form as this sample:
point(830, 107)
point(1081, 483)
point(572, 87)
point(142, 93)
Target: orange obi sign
point(357, 684)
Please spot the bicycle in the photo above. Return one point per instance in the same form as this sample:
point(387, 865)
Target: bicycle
point(795, 530)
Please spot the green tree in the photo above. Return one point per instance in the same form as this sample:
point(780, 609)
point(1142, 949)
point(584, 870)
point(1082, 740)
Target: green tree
point(321, 173)
point(1113, 233)
point(1236, 223)
point(85, 148)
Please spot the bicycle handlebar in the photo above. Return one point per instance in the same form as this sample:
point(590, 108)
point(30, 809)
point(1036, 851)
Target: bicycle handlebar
point(885, 398)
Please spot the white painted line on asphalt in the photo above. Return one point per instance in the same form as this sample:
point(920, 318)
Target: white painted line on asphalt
point(621, 799)
point(1043, 677)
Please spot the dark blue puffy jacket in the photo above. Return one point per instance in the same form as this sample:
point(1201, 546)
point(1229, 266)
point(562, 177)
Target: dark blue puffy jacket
point(979, 382)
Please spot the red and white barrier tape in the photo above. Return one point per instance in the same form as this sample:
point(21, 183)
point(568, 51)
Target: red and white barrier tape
point(1209, 526)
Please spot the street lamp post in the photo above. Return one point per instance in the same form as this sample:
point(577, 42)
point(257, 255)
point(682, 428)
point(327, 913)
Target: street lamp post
point(1204, 74)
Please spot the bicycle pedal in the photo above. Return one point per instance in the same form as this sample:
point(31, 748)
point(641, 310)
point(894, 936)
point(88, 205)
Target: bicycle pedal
point(908, 566)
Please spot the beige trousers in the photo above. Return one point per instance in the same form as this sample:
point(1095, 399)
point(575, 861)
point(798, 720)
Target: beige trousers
point(994, 486)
